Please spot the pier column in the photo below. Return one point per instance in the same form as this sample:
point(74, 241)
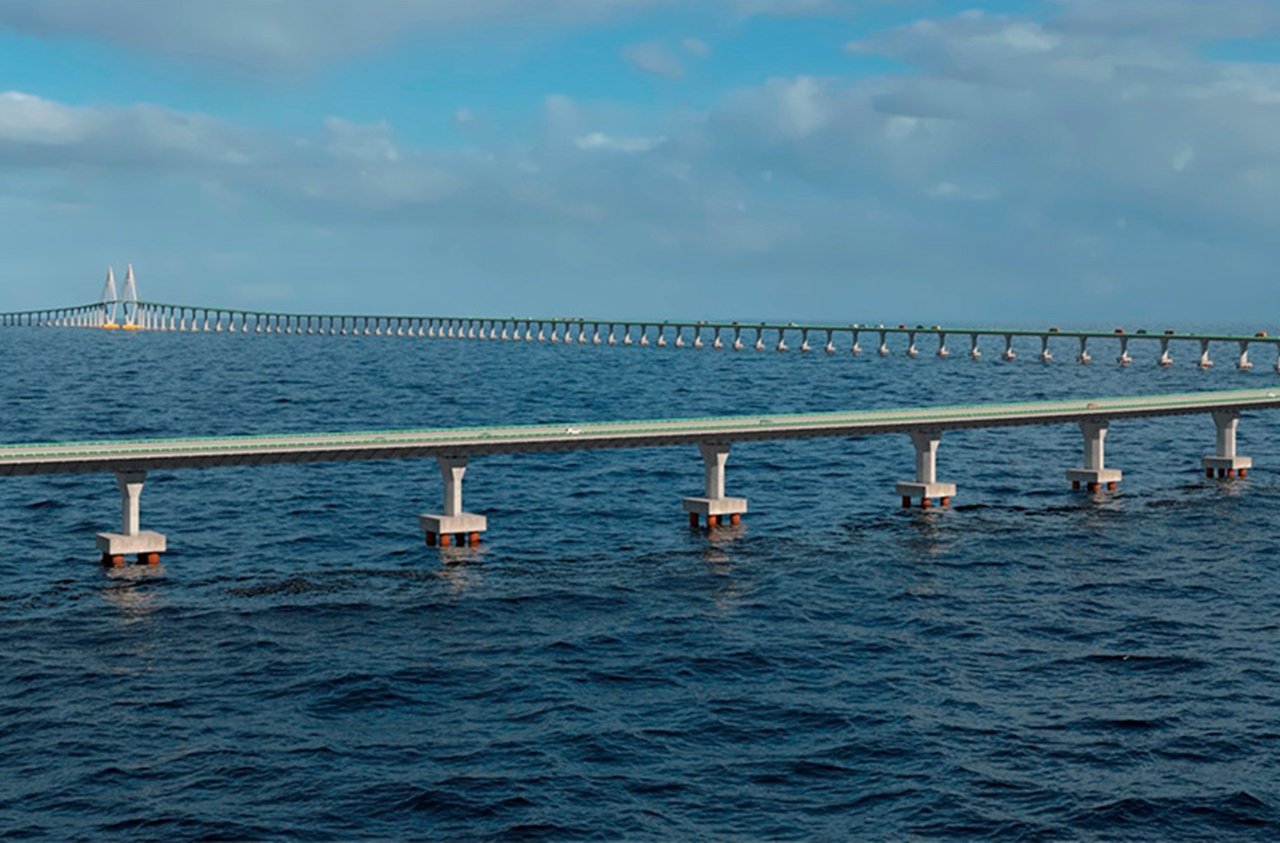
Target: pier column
point(975, 353)
point(146, 545)
point(1045, 354)
point(1094, 473)
point(943, 351)
point(1009, 353)
point(453, 524)
point(1205, 362)
point(1242, 362)
point(926, 485)
point(1084, 358)
point(1165, 358)
point(1124, 359)
point(1225, 460)
point(716, 509)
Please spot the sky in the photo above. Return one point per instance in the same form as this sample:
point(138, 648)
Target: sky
point(1075, 161)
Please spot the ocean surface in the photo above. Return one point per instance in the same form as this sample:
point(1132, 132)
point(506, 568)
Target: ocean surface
point(1032, 664)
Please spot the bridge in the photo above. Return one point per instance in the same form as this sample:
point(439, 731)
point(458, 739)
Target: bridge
point(453, 448)
point(127, 312)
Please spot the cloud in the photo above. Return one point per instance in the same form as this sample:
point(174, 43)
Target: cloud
point(289, 35)
point(292, 36)
point(652, 57)
point(599, 140)
point(1053, 167)
point(696, 47)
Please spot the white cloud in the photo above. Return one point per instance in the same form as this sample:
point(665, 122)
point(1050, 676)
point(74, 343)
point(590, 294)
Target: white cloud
point(599, 140)
point(285, 35)
point(1015, 162)
point(696, 47)
point(652, 57)
point(288, 36)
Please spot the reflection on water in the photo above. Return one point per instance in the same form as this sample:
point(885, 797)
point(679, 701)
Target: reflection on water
point(126, 590)
point(461, 567)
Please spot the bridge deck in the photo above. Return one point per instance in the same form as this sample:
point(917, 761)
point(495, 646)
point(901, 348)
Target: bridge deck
point(70, 457)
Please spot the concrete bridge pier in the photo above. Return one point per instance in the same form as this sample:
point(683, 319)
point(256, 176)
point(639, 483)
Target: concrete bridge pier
point(884, 345)
point(926, 485)
point(1165, 358)
point(1205, 362)
point(830, 347)
point(1084, 358)
point(1124, 359)
point(1242, 362)
point(454, 523)
point(1095, 473)
point(975, 353)
point(912, 351)
point(943, 351)
point(131, 540)
point(1045, 354)
point(1225, 460)
point(714, 508)
point(1009, 354)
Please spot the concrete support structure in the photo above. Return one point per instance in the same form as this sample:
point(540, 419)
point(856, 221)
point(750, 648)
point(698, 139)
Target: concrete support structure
point(453, 524)
point(1095, 473)
point(1225, 461)
point(1125, 358)
point(714, 508)
point(926, 485)
point(131, 540)
point(1242, 362)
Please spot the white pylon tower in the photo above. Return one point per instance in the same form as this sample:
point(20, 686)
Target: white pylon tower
point(129, 300)
point(109, 299)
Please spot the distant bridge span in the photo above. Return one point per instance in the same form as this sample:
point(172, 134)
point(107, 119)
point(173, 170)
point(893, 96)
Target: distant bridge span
point(127, 312)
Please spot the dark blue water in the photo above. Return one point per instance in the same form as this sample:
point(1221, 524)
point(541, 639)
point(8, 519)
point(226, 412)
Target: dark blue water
point(1032, 664)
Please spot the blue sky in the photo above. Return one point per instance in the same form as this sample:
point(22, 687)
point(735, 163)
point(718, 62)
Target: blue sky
point(1063, 160)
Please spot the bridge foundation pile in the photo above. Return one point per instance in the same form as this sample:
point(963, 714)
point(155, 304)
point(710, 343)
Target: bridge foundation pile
point(1225, 461)
point(714, 508)
point(1094, 474)
point(926, 486)
point(454, 524)
point(144, 544)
